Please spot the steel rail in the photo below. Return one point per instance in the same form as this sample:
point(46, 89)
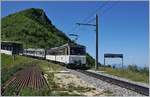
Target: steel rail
point(131, 86)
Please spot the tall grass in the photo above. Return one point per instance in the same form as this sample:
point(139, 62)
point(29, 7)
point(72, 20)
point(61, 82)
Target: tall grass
point(127, 73)
point(10, 66)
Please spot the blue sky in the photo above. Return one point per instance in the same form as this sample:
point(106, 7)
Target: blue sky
point(122, 29)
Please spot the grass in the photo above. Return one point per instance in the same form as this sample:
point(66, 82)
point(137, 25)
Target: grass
point(9, 67)
point(70, 90)
point(9, 91)
point(48, 66)
point(72, 87)
point(31, 92)
point(64, 93)
point(54, 88)
point(108, 93)
point(126, 73)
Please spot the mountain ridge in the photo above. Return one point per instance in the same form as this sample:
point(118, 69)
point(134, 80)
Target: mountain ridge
point(33, 22)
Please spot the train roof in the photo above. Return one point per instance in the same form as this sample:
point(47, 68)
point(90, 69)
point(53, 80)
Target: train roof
point(34, 49)
point(68, 44)
point(11, 42)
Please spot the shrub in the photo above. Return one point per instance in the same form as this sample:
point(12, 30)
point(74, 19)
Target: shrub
point(133, 68)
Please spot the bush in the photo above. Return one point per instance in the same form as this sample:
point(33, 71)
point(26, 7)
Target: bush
point(133, 68)
point(145, 70)
point(90, 61)
point(109, 66)
point(114, 67)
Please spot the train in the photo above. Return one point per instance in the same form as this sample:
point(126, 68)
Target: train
point(72, 55)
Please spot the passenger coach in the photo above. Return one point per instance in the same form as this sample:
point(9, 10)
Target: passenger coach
point(34, 52)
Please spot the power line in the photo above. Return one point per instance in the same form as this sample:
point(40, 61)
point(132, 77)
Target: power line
point(86, 29)
point(74, 28)
point(93, 13)
point(105, 10)
point(91, 20)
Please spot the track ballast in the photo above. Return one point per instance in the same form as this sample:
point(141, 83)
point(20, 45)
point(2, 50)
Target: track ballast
point(137, 88)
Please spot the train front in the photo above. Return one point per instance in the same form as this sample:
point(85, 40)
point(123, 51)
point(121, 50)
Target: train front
point(77, 56)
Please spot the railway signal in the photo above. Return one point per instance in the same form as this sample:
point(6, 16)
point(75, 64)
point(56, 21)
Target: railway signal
point(95, 25)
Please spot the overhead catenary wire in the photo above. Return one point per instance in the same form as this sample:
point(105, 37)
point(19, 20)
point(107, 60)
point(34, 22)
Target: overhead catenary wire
point(110, 7)
point(89, 16)
point(94, 12)
point(91, 20)
point(104, 11)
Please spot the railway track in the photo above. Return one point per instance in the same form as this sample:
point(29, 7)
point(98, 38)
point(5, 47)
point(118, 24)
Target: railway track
point(29, 77)
point(137, 88)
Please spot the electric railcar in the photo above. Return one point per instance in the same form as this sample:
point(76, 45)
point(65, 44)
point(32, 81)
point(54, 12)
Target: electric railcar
point(70, 54)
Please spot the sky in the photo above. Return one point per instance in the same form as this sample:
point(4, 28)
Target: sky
point(123, 28)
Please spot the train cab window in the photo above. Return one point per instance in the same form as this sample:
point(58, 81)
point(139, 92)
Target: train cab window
point(77, 50)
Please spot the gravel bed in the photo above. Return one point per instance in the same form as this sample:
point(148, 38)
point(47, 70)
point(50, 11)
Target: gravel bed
point(99, 84)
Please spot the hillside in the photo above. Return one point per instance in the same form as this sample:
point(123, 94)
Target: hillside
point(33, 28)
